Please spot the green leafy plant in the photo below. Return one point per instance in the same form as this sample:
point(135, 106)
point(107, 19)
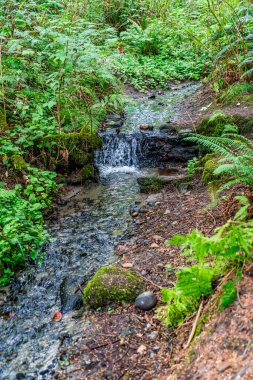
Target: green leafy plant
point(193, 166)
point(236, 155)
point(22, 233)
point(228, 294)
point(230, 246)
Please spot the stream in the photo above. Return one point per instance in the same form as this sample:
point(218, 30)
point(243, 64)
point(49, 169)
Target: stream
point(95, 219)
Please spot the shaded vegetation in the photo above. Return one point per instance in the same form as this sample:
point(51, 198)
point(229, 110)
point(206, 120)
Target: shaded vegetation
point(62, 69)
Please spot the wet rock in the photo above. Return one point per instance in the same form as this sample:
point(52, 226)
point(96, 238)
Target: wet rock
point(168, 128)
point(145, 127)
point(112, 285)
point(72, 302)
point(151, 200)
point(134, 212)
point(184, 131)
point(146, 301)
point(114, 117)
point(114, 124)
point(152, 336)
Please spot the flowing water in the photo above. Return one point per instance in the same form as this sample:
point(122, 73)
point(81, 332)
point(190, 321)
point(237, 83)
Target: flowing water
point(83, 239)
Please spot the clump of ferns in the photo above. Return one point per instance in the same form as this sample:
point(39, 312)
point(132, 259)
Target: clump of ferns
point(235, 164)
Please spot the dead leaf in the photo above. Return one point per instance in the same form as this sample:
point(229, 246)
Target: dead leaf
point(57, 316)
point(154, 245)
point(121, 249)
point(127, 265)
point(142, 350)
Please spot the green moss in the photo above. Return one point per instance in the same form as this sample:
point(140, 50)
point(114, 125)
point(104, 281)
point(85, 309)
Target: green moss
point(214, 125)
point(151, 184)
point(112, 284)
point(18, 162)
point(244, 123)
point(209, 165)
point(88, 171)
point(3, 124)
point(80, 145)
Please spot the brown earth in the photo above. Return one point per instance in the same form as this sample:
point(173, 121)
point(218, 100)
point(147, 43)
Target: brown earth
point(204, 103)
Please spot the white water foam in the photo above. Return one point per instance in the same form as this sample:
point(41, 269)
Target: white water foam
point(107, 170)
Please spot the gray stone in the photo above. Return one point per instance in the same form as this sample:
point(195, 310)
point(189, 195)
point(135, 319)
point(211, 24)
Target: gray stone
point(184, 131)
point(152, 336)
point(146, 301)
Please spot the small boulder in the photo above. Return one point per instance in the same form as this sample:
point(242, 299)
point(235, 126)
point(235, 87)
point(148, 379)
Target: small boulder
point(146, 301)
point(112, 285)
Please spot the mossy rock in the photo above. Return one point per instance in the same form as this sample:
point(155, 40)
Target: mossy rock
point(88, 171)
point(151, 184)
point(112, 285)
point(80, 146)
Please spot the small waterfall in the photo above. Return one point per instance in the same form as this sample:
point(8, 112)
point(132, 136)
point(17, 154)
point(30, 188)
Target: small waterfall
point(121, 152)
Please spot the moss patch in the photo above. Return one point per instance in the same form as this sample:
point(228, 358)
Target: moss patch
point(209, 165)
point(112, 285)
point(151, 184)
point(88, 171)
point(214, 125)
point(73, 150)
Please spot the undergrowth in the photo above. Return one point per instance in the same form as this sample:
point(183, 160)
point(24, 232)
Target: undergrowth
point(22, 228)
point(211, 258)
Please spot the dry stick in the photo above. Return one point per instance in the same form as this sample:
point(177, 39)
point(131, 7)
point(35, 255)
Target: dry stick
point(122, 356)
point(104, 345)
point(151, 282)
point(194, 325)
point(239, 300)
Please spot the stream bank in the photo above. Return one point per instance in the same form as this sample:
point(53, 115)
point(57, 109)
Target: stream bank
point(91, 224)
point(95, 229)
point(124, 342)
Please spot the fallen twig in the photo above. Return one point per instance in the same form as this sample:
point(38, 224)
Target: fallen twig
point(104, 344)
point(194, 325)
point(150, 281)
point(122, 356)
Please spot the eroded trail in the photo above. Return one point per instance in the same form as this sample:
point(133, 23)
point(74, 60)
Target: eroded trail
point(90, 226)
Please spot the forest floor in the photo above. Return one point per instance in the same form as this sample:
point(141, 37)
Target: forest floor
point(204, 103)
